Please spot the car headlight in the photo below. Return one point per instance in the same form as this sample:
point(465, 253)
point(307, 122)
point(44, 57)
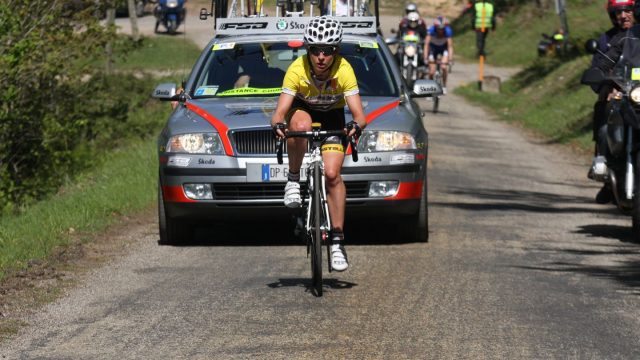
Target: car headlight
point(208, 143)
point(372, 141)
point(635, 95)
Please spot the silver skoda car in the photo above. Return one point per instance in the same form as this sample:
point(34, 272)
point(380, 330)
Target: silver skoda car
point(217, 152)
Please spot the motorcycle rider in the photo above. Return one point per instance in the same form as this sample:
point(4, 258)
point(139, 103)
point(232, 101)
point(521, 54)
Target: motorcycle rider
point(406, 23)
point(621, 14)
point(413, 24)
point(439, 42)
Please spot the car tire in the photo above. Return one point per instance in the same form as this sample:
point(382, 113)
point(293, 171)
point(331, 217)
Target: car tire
point(416, 228)
point(172, 231)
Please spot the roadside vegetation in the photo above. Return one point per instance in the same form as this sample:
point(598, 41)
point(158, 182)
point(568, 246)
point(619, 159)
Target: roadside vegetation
point(77, 146)
point(546, 95)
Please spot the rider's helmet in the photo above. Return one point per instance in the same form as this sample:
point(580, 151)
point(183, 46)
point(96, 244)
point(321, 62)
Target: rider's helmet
point(323, 30)
point(411, 7)
point(413, 18)
point(617, 5)
point(440, 22)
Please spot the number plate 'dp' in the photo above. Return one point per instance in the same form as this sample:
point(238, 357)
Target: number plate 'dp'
point(269, 173)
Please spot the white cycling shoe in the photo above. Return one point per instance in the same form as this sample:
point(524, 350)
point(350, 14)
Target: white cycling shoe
point(339, 260)
point(292, 195)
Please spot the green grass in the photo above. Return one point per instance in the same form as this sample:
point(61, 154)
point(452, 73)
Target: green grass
point(161, 53)
point(514, 43)
point(124, 181)
point(546, 96)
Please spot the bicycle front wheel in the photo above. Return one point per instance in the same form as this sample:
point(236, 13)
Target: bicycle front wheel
point(316, 234)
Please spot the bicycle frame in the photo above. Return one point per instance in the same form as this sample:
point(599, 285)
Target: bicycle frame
point(318, 219)
point(315, 157)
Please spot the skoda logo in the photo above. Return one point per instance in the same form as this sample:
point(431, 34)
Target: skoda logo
point(281, 25)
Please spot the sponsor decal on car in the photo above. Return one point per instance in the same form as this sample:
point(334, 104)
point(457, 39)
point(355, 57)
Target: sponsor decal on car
point(250, 91)
point(224, 46)
point(282, 25)
point(402, 159)
point(368, 44)
point(206, 90)
point(375, 159)
point(179, 161)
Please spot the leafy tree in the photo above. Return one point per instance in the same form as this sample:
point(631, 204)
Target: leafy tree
point(51, 94)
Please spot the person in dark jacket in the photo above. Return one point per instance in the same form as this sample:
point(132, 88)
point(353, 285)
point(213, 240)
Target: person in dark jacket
point(621, 13)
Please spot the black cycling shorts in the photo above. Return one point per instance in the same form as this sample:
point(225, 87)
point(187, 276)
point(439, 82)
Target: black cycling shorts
point(331, 120)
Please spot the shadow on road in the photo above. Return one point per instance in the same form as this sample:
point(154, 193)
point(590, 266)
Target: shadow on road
point(521, 200)
point(617, 232)
point(626, 273)
point(306, 283)
point(280, 233)
point(626, 270)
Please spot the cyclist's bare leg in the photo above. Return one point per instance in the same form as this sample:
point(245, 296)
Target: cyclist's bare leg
point(444, 67)
point(297, 147)
point(336, 191)
point(432, 69)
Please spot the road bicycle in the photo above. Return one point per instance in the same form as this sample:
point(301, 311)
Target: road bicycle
point(314, 218)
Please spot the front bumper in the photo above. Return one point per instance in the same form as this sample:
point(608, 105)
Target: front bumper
point(234, 197)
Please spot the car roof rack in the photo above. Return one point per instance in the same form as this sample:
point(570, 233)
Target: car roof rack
point(248, 17)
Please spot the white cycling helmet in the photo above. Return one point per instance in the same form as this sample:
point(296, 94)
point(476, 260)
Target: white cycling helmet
point(323, 30)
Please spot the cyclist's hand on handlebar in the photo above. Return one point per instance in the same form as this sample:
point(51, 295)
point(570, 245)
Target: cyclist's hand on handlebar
point(353, 129)
point(278, 129)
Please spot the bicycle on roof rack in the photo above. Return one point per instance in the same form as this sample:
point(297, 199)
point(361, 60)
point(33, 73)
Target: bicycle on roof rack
point(221, 9)
point(314, 223)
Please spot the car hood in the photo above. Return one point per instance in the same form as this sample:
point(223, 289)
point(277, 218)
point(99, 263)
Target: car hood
point(384, 113)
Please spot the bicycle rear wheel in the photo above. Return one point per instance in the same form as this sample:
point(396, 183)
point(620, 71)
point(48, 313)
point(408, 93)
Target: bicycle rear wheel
point(316, 233)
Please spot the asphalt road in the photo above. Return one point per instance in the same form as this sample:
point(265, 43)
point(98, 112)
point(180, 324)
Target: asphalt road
point(520, 264)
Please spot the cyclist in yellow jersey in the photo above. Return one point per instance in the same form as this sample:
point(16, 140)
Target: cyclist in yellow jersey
point(316, 88)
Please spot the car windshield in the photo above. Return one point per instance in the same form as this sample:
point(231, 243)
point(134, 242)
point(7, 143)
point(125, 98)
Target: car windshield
point(257, 69)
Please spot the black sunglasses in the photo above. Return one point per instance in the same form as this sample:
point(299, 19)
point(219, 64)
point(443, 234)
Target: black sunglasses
point(326, 50)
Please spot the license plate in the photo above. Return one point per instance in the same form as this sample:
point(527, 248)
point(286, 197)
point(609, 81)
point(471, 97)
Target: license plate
point(268, 173)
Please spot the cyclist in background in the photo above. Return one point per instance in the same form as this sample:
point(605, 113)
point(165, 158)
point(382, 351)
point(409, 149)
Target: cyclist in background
point(316, 88)
point(439, 43)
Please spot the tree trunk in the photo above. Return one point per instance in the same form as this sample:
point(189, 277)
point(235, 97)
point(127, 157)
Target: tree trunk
point(111, 21)
point(133, 16)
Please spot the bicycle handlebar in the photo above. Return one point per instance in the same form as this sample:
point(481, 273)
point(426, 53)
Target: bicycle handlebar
point(318, 135)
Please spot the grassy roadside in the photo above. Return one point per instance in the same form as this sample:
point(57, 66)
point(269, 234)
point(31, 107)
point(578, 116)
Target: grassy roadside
point(546, 96)
point(38, 244)
point(125, 180)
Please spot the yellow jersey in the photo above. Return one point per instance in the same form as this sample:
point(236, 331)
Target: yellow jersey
point(321, 95)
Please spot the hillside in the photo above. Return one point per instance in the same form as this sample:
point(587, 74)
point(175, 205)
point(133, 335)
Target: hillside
point(546, 96)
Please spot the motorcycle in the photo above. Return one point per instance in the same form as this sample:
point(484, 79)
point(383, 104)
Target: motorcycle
point(169, 13)
point(620, 168)
point(548, 46)
point(408, 55)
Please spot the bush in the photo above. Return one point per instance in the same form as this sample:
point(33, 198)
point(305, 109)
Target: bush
point(56, 108)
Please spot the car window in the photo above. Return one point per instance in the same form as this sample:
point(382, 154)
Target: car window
point(258, 69)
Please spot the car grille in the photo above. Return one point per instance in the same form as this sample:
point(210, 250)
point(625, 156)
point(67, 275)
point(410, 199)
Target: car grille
point(255, 142)
point(275, 191)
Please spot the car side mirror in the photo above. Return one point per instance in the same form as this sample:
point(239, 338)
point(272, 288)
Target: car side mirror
point(165, 92)
point(426, 88)
point(592, 76)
